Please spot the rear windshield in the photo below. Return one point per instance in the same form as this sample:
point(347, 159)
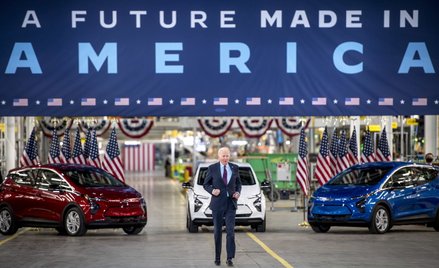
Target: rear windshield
point(91, 177)
point(245, 173)
point(360, 176)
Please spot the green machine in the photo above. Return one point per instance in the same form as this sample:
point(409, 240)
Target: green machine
point(280, 167)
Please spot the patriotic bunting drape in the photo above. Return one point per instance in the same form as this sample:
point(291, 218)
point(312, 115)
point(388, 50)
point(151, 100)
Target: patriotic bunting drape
point(100, 125)
point(135, 127)
point(59, 124)
point(254, 127)
point(291, 126)
point(215, 127)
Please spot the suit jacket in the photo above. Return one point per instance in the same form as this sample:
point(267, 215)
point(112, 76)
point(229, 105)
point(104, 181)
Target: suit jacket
point(214, 180)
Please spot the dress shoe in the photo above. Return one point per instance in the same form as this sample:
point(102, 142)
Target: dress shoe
point(217, 262)
point(229, 263)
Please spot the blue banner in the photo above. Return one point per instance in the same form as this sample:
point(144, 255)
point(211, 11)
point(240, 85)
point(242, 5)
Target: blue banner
point(225, 58)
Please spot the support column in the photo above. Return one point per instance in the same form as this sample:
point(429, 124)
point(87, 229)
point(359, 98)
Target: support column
point(11, 152)
point(430, 134)
point(355, 122)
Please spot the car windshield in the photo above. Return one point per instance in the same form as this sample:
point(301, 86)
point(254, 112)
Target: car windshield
point(245, 173)
point(360, 176)
point(92, 177)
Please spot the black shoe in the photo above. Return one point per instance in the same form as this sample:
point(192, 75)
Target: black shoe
point(229, 263)
point(217, 262)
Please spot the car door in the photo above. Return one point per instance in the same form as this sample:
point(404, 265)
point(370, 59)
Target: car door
point(402, 194)
point(23, 194)
point(52, 195)
point(427, 192)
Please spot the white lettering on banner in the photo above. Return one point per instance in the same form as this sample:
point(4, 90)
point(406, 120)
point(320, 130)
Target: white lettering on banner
point(31, 18)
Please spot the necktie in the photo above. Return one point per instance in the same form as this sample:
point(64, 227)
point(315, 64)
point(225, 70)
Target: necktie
point(225, 175)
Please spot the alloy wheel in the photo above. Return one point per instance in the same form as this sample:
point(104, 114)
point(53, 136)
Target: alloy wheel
point(73, 222)
point(382, 220)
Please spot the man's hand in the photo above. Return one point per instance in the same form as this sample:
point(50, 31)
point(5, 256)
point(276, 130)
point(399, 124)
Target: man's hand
point(236, 195)
point(216, 192)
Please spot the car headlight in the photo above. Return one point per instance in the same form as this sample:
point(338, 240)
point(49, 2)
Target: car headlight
point(258, 202)
point(94, 206)
point(197, 201)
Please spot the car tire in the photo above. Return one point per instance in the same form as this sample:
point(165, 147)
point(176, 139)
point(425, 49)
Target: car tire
point(191, 226)
point(260, 228)
point(8, 226)
point(74, 222)
point(380, 222)
point(132, 230)
point(320, 228)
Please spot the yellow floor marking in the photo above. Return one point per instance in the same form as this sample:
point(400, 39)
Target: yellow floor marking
point(270, 251)
point(12, 237)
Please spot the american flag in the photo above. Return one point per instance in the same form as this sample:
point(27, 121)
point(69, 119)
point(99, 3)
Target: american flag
point(333, 153)
point(253, 101)
point(383, 153)
point(54, 156)
point(187, 101)
point(220, 101)
point(30, 153)
point(121, 101)
point(155, 101)
point(54, 102)
point(112, 162)
point(286, 101)
point(323, 170)
point(367, 155)
point(78, 155)
point(353, 149)
point(66, 155)
point(93, 157)
point(302, 164)
point(139, 157)
point(343, 158)
point(318, 101)
point(87, 144)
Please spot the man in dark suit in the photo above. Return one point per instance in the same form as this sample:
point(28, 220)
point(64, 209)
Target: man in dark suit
point(223, 182)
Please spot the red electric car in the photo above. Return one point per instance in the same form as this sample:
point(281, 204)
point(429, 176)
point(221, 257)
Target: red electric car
point(69, 198)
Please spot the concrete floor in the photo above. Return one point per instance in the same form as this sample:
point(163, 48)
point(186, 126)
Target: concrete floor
point(166, 243)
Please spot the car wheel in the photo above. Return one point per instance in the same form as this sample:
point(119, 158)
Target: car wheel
point(320, 228)
point(260, 228)
point(74, 222)
point(191, 226)
point(380, 222)
point(132, 230)
point(8, 225)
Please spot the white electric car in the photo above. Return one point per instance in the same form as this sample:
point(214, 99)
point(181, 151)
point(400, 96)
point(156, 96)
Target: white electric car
point(251, 204)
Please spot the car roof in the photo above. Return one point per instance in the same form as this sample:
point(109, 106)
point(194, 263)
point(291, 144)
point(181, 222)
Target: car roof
point(54, 166)
point(391, 164)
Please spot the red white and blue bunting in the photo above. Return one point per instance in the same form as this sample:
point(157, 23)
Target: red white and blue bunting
point(136, 127)
point(99, 125)
point(254, 127)
point(48, 124)
point(291, 126)
point(215, 127)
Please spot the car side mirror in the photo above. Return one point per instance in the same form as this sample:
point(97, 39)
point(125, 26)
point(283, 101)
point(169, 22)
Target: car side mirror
point(186, 185)
point(266, 184)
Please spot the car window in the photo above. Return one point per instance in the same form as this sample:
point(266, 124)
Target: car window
point(24, 177)
point(425, 175)
point(360, 176)
point(91, 177)
point(245, 173)
point(50, 179)
point(404, 177)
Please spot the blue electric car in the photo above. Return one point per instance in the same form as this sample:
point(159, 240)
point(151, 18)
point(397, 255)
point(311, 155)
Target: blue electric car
point(377, 195)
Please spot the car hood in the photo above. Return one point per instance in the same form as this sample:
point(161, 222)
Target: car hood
point(112, 192)
point(246, 191)
point(340, 192)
